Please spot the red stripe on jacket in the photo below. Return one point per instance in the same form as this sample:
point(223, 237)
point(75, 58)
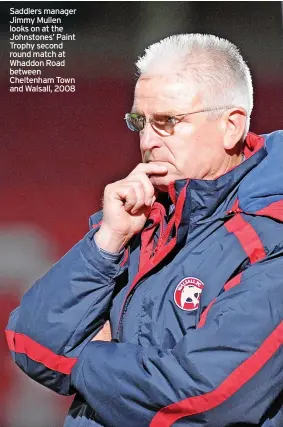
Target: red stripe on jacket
point(20, 343)
point(274, 210)
point(237, 379)
point(250, 243)
point(229, 285)
point(233, 282)
point(96, 225)
point(247, 236)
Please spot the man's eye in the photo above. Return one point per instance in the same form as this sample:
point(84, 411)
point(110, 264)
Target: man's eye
point(164, 120)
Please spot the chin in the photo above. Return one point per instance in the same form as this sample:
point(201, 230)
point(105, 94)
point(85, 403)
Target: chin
point(162, 188)
point(160, 183)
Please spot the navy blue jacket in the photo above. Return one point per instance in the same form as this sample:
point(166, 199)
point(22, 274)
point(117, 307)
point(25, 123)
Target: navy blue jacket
point(195, 306)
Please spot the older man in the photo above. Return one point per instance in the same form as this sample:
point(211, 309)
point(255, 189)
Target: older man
point(186, 261)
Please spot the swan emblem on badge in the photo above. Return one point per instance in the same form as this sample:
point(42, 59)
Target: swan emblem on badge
point(187, 293)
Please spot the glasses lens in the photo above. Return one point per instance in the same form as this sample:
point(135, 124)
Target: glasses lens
point(163, 124)
point(134, 122)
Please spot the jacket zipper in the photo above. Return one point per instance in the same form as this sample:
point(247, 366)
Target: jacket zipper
point(125, 309)
point(130, 295)
point(138, 278)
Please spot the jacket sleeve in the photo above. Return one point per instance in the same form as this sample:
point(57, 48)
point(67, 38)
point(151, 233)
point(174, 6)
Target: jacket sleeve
point(227, 372)
point(61, 313)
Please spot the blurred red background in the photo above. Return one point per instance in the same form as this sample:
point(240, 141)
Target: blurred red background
point(59, 150)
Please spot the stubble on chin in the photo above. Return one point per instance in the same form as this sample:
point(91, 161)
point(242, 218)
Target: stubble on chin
point(158, 184)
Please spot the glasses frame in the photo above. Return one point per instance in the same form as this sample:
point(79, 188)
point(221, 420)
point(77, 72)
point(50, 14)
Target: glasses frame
point(177, 118)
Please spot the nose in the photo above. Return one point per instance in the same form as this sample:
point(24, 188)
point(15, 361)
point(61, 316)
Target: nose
point(149, 139)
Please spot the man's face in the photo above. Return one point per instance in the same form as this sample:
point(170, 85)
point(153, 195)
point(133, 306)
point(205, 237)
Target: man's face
point(195, 149)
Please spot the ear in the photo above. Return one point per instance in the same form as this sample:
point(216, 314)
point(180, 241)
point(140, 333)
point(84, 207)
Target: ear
point(235, 122)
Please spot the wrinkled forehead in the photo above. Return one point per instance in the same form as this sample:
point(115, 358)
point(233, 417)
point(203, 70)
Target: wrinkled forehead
point(165, 94)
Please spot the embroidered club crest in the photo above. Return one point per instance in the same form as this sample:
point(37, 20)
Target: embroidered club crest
point(187, 293)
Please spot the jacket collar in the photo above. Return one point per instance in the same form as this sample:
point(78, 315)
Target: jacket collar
point(208, 200)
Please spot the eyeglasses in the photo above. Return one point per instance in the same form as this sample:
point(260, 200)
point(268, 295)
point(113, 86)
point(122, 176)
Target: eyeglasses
point(162, 123)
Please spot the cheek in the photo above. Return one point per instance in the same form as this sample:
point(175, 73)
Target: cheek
point(201, 137)
point(196, 148)
point(187, 145)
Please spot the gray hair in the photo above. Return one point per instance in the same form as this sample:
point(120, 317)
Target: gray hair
point(215, 65)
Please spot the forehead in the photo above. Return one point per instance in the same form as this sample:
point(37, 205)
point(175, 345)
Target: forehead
point(165, 94)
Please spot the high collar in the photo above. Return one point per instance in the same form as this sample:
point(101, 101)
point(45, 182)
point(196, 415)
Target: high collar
point(197, 202)
point(207, 200)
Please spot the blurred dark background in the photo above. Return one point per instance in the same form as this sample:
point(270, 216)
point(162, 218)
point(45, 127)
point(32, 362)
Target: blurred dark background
point(59, 150)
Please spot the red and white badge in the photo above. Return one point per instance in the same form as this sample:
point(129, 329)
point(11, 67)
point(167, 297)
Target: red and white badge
point(187, 293)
